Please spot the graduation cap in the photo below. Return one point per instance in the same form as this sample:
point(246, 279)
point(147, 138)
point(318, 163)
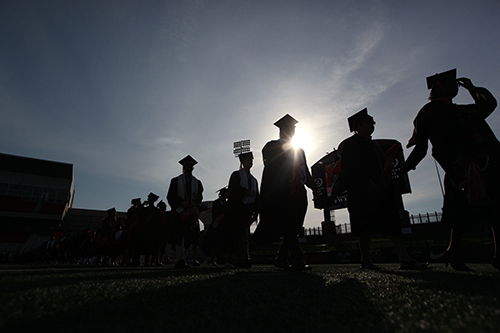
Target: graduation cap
point(286, 121)
point(222, 190)
point(153, 196)
point(442, 78)
point(188, 160)
point(357, 118)
point(245, 155)
point(111, 211)
point(134, 201)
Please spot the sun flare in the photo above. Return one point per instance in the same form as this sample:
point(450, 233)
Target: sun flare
point(302, 139)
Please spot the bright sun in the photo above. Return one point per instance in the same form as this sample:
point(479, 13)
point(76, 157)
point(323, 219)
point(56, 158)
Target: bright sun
point(302, 139)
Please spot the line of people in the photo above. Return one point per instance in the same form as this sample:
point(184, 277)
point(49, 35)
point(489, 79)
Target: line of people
point(462, 143)
point(144, 233)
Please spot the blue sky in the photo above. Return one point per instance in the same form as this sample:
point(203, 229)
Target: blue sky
point(125, 89)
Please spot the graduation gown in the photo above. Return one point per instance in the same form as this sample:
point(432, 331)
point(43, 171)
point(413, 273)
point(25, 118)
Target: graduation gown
point(213, 236)
point(149, 228)
point(243, 196)
point(176, 197)
point(283, 198)
point(371, 201)
point(175, 200)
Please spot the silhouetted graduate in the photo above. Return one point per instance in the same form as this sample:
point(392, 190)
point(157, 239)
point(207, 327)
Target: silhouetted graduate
point(469, 153)
point(283, 195)
point(213, 241)
point(372, 201)
point(243, 195)
point(149, 227)
point(184, 196)
point(133, 230)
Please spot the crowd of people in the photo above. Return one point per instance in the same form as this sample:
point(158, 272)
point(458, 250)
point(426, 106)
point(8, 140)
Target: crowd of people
point(138, 239)
point(149, 229)
point(462, 143)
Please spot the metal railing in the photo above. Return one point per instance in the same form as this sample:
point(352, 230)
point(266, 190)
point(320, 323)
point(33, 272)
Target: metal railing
point(345, 228)
point(318, 231)
point(426, 218)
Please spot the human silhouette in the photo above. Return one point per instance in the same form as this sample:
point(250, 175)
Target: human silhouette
point(149, 226)
point(132, 252)
point(243, 195)
point(184, 196)
point(372, 201)
point(214, 240)
point(283, 202)
point(107, 232)
point(164, 232)
point(466, 148)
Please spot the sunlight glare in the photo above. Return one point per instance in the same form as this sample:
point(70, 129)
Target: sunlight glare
point(302, 139)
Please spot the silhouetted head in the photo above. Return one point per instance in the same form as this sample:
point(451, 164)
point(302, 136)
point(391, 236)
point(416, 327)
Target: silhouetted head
point(111, 211)
point(246, 160)
point(162, 206)
point(361, 123)
point(287, 127)
point(188, 164)
point(443, 85)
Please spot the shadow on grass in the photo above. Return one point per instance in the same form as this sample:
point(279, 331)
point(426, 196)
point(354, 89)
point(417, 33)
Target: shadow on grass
point(330, 298)
point(261, 299)
point(464, 283)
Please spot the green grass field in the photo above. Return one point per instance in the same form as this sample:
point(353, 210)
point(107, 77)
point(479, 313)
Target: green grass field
point(331, 298)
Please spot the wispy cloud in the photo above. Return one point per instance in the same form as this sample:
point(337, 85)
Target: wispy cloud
point(124, 90)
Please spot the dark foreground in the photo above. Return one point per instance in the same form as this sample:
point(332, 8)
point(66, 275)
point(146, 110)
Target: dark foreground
point(331, 298)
